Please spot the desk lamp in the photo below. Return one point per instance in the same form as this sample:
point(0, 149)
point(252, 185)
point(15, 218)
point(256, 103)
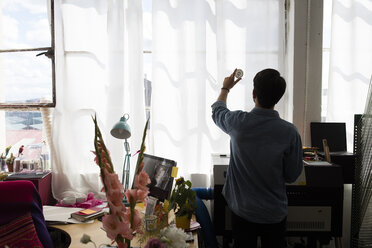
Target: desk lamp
point(121, 130)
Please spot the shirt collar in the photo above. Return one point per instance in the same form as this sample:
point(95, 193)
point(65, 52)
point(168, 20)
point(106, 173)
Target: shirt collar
point(265, 112)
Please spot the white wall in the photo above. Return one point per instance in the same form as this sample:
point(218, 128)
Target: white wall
point(304, 63)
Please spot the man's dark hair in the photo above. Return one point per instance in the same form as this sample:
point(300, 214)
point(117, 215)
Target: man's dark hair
point(269, 87)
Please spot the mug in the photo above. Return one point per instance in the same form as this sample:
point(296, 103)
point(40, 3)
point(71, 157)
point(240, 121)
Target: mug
point(150, 222)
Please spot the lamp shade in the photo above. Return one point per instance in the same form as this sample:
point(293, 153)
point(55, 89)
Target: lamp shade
point(121, 130)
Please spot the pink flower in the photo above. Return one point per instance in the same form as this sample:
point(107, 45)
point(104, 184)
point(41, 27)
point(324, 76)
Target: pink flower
point(155, 243)
point(127, 231)
point(141, 180)
point(136, 225)
point(136, 195)
point(119, 224)
point(116, 208)
point(131, 195)
point(105, 156)
point(112, 181)
point(113, 227)
point(142, 194)
point(114, 193)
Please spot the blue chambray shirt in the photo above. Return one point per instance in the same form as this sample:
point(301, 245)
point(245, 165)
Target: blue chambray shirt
point(265, 154)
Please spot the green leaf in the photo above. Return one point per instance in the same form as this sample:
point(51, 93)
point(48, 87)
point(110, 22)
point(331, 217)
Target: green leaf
point(142, 149)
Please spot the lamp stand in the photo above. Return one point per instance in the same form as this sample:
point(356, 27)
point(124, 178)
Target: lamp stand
point(126, 168)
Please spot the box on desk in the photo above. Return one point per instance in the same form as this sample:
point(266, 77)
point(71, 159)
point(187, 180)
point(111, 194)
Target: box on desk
point(347, 161)
point(42, 182)
point(323, 174)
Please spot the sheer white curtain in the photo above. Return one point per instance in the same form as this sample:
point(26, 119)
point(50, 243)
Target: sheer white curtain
point(99, 71)
point(196, 43)
point(350, 61)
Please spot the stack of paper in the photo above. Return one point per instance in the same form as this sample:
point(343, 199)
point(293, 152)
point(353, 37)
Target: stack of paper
point(194, 225)
point(60, 215)
point(316, 162)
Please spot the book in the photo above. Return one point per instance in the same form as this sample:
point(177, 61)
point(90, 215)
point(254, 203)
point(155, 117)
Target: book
point(88, 214)
point(28, 175)
point(190, 237)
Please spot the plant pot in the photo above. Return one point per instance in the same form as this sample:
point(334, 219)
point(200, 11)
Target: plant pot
point(10, 167)
point(183, 222)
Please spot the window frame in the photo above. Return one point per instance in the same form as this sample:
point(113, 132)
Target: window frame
point(50, 53)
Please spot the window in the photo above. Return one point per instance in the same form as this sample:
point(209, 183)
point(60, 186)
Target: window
point(327, 13)
point(26, 54)
point(147, 61)
point(147, 52)
point(27, 73)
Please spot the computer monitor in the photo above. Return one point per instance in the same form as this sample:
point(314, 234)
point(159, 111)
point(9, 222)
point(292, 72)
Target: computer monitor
point(333, 132)
point(160, 172)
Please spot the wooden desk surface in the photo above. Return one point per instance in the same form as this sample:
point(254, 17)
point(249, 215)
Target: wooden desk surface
point(97, 235)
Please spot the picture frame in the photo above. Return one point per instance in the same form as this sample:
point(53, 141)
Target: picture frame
point(160, 172)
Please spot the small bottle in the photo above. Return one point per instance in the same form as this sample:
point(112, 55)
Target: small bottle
point(45, 156)
point(25, 164)
point(17, 164)
point(3, 165)
point(41, 162)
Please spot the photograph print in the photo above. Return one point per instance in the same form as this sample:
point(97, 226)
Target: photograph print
point(160, 172)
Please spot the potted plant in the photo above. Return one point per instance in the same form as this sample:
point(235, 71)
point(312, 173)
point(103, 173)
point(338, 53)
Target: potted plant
point(3, 158)
point(10, 162)
point(183, 201)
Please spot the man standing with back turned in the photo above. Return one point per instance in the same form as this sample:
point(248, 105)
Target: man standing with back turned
point(265, 153)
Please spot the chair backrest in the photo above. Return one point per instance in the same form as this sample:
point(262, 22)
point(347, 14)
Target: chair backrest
point(21, 214)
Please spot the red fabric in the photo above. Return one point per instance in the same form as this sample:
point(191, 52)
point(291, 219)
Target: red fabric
point(15, 199)
point(20, 233)
point(16, 191)
point(18, 199)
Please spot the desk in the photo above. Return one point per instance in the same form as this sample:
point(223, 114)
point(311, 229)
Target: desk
point(97, 235)
point(322, 197)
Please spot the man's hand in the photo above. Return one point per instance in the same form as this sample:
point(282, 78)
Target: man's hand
point(230, 81)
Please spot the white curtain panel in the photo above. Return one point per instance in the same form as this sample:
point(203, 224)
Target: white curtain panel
point(350, 62)
point(196, 44)
point(99, 72)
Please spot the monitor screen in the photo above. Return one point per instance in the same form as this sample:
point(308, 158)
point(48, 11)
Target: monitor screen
point(160, 172)
point(333, 132)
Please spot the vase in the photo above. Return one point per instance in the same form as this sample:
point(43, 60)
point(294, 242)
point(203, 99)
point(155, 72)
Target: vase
point(2, 165)
point(162, 221)
point(183, 222)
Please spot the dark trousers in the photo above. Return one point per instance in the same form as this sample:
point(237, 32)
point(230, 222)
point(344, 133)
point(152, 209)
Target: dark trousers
point(245, 233)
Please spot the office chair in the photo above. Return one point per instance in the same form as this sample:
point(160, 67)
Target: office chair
point(202, 216)
point(22, 222)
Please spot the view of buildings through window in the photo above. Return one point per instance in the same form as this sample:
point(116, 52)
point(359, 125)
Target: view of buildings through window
point(25, 78)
